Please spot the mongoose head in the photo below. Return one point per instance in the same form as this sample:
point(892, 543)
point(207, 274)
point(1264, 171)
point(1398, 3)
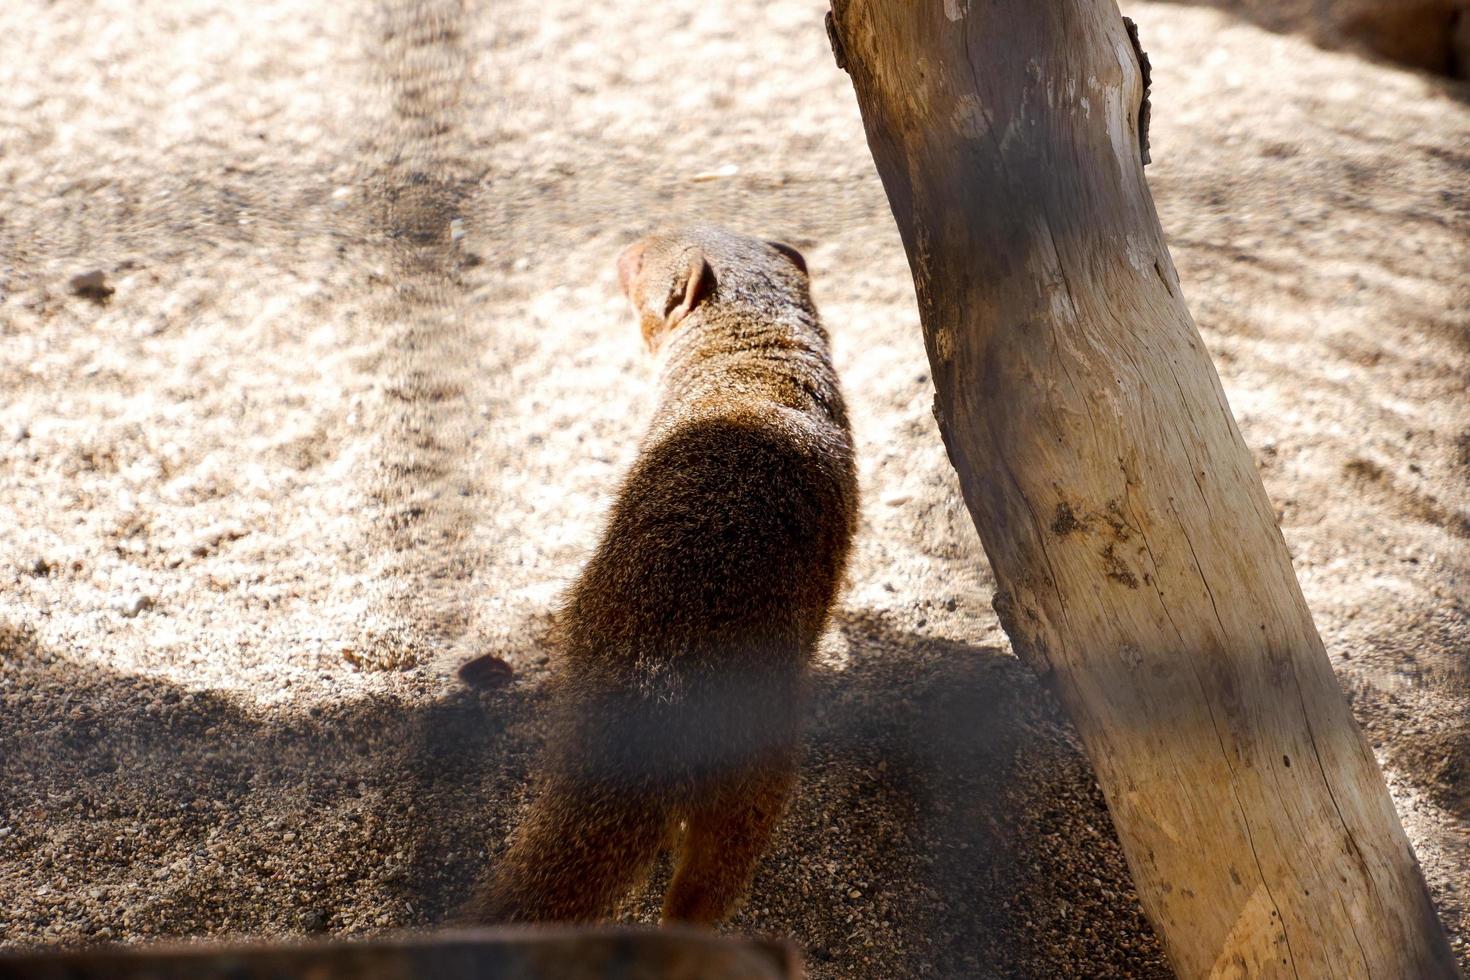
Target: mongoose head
point(668, 276)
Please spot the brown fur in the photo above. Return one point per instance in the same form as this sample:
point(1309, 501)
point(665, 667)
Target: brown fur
point(679, 691)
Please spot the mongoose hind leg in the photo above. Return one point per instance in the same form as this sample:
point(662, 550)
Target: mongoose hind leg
point(728, 832)
point(579, 851)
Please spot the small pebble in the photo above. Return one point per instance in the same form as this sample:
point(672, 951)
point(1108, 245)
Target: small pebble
point(719, 173)
point(486, 671)
point(91, 285)
point(131, 604)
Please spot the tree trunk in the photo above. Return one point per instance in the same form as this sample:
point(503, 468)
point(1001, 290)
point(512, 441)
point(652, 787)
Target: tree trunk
point(1138, 563)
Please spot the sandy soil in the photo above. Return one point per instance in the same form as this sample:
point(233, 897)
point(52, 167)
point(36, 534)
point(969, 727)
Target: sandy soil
point(354, 407)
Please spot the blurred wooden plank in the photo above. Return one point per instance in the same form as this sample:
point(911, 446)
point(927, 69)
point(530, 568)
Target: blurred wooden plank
point(562, 953)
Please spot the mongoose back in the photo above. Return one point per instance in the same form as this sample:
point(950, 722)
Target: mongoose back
point(678, 691)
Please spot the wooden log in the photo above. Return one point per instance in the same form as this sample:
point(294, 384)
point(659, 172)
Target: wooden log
point(1432, 35)
point(1138, 562)
point(501, 954)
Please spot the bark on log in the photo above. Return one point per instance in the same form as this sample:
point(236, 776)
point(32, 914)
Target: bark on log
point(1138, 563)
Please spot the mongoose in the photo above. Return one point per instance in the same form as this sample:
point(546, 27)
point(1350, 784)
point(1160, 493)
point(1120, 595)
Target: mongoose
point(684, 642)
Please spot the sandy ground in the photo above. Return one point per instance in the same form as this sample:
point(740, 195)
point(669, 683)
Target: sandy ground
point(353, 411)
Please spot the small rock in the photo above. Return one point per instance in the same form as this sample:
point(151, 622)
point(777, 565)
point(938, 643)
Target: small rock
point(40, 567)
point(719, 173)
point(91, 285)
point(314, 920)
point(487, 671)
point(131, 604)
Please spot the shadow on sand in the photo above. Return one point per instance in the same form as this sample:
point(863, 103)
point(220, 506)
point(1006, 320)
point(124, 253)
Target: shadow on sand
point(958, 797)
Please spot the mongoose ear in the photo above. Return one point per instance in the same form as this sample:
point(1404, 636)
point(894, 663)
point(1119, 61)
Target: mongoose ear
point(791, 253)
point(693, 283)
point(630, 263)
